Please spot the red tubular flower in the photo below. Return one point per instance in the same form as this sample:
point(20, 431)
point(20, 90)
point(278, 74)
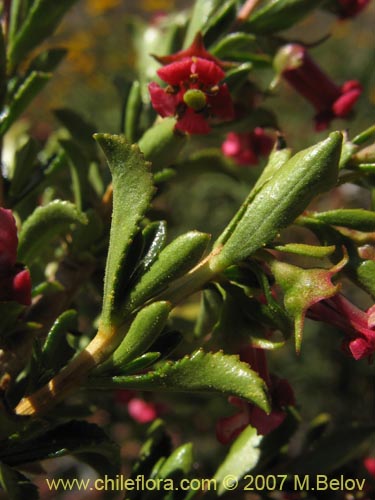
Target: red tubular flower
point(15, 281)
point(350, 8)
point(281, 395)
point(330, 100)
point(246, 147)
point(359, 326)
point(194, 93)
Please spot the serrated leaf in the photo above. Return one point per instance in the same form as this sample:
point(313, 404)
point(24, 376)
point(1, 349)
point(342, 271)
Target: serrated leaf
point(45, 224)
point(277, 15)
point(26, 92)
point(41, 20)
point(132, 192)
point(16, 485)
point(353, 218)
point(200, 372)
point(241, 458)
point(76, 438)
point(279, 201)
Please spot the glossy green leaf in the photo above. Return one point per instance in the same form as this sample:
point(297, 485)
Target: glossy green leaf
point(16, 485)
point(364, 136)
point(45, 224)
point(139, 364)
point(132, 192)
point(334, 450)
point(26, 92)
point(281, 200)
point(145, 329)
point(200, 372)
point(154, 237)
point(173, 261)
point(241, 459)
point(41, 20)
point(178, 464)
point(277, 15)
point(81, 439)
point(161, 144)
point(353, 218)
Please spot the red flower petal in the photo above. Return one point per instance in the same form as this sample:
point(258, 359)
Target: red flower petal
point(177, 72)
point(142, 411)
point(193, 123)
point(208, 72)
point(8, 239)
point(221, 104)
point(344, 104)
point(21, 288)
point(196, 49)
point(163, 102)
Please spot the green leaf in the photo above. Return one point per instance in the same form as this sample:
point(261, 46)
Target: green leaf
point(41, 20)
point(161, 144)
point(210, 309)
point(220, 20)
point(132, 113)
point(3, 60)
point(234, 43)
point(235, 78)
point(200, 372)
point(48, 60)
point(280, 200)
point(24, 164)
point(56, 351)
point(139, 364)
point(16, 485)
point(132, 192)
point(81, 130)
point(155, 447)
point(203, 13)
point(318, 252)
point(178, 464)
point(78, 438)
point(241, 458)
point(145, 329)
point(334, 451)
point(277, 15)
point(25, 93)
point(79, 170)
point(353, 218)
point(173, 261)
point(43, 225)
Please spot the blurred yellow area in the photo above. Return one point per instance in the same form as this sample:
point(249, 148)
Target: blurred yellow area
point(96, 7)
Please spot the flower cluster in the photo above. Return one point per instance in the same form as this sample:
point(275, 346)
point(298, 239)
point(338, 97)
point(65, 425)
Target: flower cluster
point(330, 101)
point(15, 281)
point(194, 94)
point(281, 395)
